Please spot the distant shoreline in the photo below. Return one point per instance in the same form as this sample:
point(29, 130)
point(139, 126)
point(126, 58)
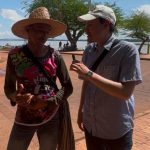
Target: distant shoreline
point(84, 40)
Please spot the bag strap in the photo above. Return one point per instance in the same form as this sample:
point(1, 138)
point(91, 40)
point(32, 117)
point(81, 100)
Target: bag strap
point(101, 57)
point(29, 54)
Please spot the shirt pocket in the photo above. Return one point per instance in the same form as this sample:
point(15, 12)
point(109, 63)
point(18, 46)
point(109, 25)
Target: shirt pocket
point(111, 72)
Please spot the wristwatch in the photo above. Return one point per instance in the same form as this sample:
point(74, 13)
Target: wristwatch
point(89, 73)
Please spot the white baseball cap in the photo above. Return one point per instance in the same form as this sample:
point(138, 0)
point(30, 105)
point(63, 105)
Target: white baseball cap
point(100, 11)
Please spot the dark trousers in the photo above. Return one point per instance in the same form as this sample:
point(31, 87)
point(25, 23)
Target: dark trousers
point(95, 143)
point(47, 134)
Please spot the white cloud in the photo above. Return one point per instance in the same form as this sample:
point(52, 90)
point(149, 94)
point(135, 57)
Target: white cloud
point(6, 34)
point(145, 9)
point(10, 14)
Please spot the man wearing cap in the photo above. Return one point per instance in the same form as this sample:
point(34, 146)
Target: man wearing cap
point(30, 82)
point(107, 104)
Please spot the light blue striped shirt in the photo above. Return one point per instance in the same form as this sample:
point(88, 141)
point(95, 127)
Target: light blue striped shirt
point(104, 115)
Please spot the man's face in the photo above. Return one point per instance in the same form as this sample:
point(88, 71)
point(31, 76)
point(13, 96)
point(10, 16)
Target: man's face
point(94, 30)
point(38, 33)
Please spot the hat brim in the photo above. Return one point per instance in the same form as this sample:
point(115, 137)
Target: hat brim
point(89, 17)
point(19, 28)
point(86, 17)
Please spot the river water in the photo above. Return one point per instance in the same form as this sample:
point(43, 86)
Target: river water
point(55, 44)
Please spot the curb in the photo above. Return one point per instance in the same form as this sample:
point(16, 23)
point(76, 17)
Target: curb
point(145, 56)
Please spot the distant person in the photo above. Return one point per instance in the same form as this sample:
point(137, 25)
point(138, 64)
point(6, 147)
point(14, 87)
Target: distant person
point(64, 46)
point(67, 44)
point(42, 108)
point(60, 46)
point(110, 70)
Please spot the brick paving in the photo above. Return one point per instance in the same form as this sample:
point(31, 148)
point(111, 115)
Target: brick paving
point(142, 132)
point(141, 136)
point(142, 110)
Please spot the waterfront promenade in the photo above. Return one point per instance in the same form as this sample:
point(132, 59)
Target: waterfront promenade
point(142, 107)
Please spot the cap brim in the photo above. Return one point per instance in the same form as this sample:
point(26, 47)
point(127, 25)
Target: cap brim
point(86, 17)
point(19, 28)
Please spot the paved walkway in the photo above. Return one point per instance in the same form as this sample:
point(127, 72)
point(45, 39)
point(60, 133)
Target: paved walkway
point(141, 132)
point(142, 120)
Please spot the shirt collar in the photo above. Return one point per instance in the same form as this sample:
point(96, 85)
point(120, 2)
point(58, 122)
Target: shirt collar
point(109, 43)
point(106, 46)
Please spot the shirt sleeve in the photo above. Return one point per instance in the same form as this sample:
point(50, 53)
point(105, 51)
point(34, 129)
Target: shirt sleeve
point(64, 78)
point(10, 79)
point(130, 65)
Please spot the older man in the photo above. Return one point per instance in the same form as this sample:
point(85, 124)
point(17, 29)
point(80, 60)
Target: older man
point(34, 68)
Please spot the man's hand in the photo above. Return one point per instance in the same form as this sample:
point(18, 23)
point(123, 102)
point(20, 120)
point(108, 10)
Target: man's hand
point(80, 68)
point(80, 120)
point(23, 99)
point(30, 101)
point(37, 103)
point(20, 97)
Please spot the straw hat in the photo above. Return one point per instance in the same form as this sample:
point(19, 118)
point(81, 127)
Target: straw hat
point(38, 15)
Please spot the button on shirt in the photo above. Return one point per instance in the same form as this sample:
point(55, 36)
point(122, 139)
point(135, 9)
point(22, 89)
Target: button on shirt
point(106, 116)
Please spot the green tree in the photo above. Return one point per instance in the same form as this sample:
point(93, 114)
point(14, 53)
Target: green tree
point(66, 11)
point(139, 25)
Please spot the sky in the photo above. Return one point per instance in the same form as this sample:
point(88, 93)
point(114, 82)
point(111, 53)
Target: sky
point(11, 11)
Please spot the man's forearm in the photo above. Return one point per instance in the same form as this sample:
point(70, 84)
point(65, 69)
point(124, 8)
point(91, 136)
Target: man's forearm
point(120, 90)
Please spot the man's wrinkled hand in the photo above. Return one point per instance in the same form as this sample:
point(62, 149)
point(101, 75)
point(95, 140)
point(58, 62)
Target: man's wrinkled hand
point(37, 105)
point(22, 98)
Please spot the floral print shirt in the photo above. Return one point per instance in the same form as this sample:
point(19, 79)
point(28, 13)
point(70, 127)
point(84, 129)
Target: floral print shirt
point(21, 69)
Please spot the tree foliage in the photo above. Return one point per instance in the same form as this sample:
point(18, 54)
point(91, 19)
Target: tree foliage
point(139, 25)
point(68, 11)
